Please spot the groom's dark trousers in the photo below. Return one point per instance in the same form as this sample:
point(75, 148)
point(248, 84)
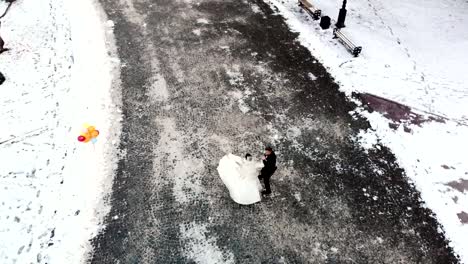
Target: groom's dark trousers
point(266, 174)
point(266, 181)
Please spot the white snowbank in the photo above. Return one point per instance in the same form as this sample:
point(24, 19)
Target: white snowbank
point(415, 54)
point(58, 77)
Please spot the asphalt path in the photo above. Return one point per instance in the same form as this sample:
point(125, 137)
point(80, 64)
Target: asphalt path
point(204, 78)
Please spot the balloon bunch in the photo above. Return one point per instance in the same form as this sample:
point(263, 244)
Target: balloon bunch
point(89, 133)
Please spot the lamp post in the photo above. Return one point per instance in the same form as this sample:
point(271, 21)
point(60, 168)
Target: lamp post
point(341, 16)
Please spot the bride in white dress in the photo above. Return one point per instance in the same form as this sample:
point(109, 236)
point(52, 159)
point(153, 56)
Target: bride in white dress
point(241, 178)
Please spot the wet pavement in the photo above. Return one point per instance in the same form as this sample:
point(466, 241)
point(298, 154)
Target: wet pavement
point(202, 79)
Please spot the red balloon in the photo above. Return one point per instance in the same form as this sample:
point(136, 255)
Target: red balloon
point(81, 138)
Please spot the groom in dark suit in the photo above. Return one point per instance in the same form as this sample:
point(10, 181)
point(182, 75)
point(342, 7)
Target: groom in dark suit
point(269, 162)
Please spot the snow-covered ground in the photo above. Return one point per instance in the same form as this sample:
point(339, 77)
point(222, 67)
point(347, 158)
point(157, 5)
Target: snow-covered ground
point(414, 53)
point(59, 76)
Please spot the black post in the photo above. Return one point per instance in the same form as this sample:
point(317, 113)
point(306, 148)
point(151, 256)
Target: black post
point(342, 16)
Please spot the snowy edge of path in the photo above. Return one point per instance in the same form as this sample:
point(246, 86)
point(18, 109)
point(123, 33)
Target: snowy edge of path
point(425, 153)
point(61, 73)
point(96, 86)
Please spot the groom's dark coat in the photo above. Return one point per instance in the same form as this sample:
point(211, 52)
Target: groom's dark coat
point(269, 164)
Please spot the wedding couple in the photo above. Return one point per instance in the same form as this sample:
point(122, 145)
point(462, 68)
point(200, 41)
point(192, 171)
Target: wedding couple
point(241, 176)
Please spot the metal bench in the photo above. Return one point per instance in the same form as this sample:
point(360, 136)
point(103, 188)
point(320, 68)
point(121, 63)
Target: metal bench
point(310, 9)
point(355, 50)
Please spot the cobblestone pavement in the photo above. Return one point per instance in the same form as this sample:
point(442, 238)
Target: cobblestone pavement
point(204, 78)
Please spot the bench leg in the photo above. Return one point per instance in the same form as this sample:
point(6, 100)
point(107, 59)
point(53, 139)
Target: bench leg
point(317, 14)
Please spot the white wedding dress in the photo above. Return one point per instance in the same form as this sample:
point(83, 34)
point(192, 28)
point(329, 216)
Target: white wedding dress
point(241, 178)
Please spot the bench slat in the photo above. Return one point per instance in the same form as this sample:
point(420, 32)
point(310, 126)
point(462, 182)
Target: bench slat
point(306, 4)
point(349, 45)
point(310, 9)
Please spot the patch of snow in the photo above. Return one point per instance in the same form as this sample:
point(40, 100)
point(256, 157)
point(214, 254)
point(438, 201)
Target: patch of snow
point(201, 248)
point(186, 171)
point(197, 32)
point(240, 98)
point(236, 94)
point(312, 77)
point(297, 195)
point(202, 21)
point(237, 79)
point(293, 132)
point(256, 9)
point(243, 106)
point(158, 91)
point(235, 76)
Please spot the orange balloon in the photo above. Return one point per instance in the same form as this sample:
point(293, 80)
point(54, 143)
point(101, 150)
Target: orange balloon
point(87, 137)
point(95, 133)
point(91, 129)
